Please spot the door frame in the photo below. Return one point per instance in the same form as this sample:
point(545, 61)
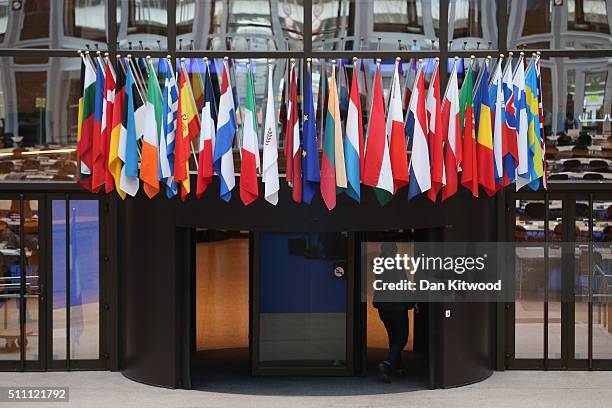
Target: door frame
point(67, 364)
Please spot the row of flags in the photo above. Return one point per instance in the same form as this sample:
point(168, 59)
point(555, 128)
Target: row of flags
point(139, 125)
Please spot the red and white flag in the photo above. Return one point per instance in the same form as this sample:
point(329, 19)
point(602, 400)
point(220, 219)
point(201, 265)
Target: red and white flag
point(435, 137)
point(293, 150)
point(452, 134)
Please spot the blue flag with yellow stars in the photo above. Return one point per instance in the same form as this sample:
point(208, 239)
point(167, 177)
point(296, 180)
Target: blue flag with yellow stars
point(311, 175)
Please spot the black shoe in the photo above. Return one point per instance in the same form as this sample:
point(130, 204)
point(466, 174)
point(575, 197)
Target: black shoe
point(385, 373)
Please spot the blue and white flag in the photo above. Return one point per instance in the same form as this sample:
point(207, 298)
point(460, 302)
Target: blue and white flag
point(168, 128)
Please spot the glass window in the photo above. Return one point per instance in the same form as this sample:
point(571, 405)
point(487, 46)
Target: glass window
point(358, 24)
point(530, 279)
point(143, 21)
point(472, 24)
point(53, 24)
point(577, 107)
point(38, 121)
point(240, 25)
point(576, 24)
point(10, 279)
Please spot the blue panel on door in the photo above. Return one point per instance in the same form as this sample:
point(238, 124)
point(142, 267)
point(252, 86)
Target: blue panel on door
point(297, 273)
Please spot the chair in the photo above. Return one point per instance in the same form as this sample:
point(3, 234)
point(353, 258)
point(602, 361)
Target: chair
point(593, 176)
point(551, 152)
point(520, 233)
point(31, 164)
point(6, 167)
point(563, 139)
point(558, 177)
point(571, 165)
point(580, 151)
point(535, 210)
point(598, 165)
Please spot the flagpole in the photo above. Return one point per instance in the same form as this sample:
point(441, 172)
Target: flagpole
point(452, 72)
point(322, 91)
point(509, 64)
point(481, 73)
point(521, 59)
point(131, 65)
point(152, 69)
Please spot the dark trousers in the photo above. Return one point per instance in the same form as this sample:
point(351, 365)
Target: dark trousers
point(396, 324)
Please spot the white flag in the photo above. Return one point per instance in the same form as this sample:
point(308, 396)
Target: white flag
point(270, 150)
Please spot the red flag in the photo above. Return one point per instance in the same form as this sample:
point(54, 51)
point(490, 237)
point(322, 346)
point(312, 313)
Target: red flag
point(435, 137)
point(107, 119)
point(452, 135)
point(187, 129)
point(293, 150)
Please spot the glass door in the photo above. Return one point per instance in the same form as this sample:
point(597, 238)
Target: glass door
point(76, 307)
point(563, 282)
point(302, 304)
point(22, 334)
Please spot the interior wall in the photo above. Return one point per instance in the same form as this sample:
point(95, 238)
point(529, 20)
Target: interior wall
point(222, 294)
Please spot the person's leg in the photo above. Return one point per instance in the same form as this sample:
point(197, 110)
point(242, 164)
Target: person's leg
point(384, 367)
point(403, 330)
point(387, 318)
point(399, 329)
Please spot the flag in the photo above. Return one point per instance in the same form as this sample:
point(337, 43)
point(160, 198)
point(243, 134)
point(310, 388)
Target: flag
point(134, 120)
point(195, 68)
point(223, 159)
point(412, 70)
point(207, 135)
point(249, 164)
point(149, 167)
point(107, 123)
point(416, 129)
point(310, 154)
point(451, 131)
point(541, 116)
point(377, 162)
point(168, 128)
point(353, 146)
point(498, 117)
point(469, 161)
point(98, 172)
point(115, 161)
point(293, 152)
point(187, 129)
point(518, 87)
point(270, 149)
point(396, 134)
point(509, 135)
point(536, 161)
point(86, 128)
point(484, 135)
point(333, 168)
point(435, 136)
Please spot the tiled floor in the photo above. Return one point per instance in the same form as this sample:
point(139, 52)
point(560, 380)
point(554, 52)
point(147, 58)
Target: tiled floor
point(504, 389)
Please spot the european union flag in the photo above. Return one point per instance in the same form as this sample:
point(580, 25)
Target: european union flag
point(311, 175)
